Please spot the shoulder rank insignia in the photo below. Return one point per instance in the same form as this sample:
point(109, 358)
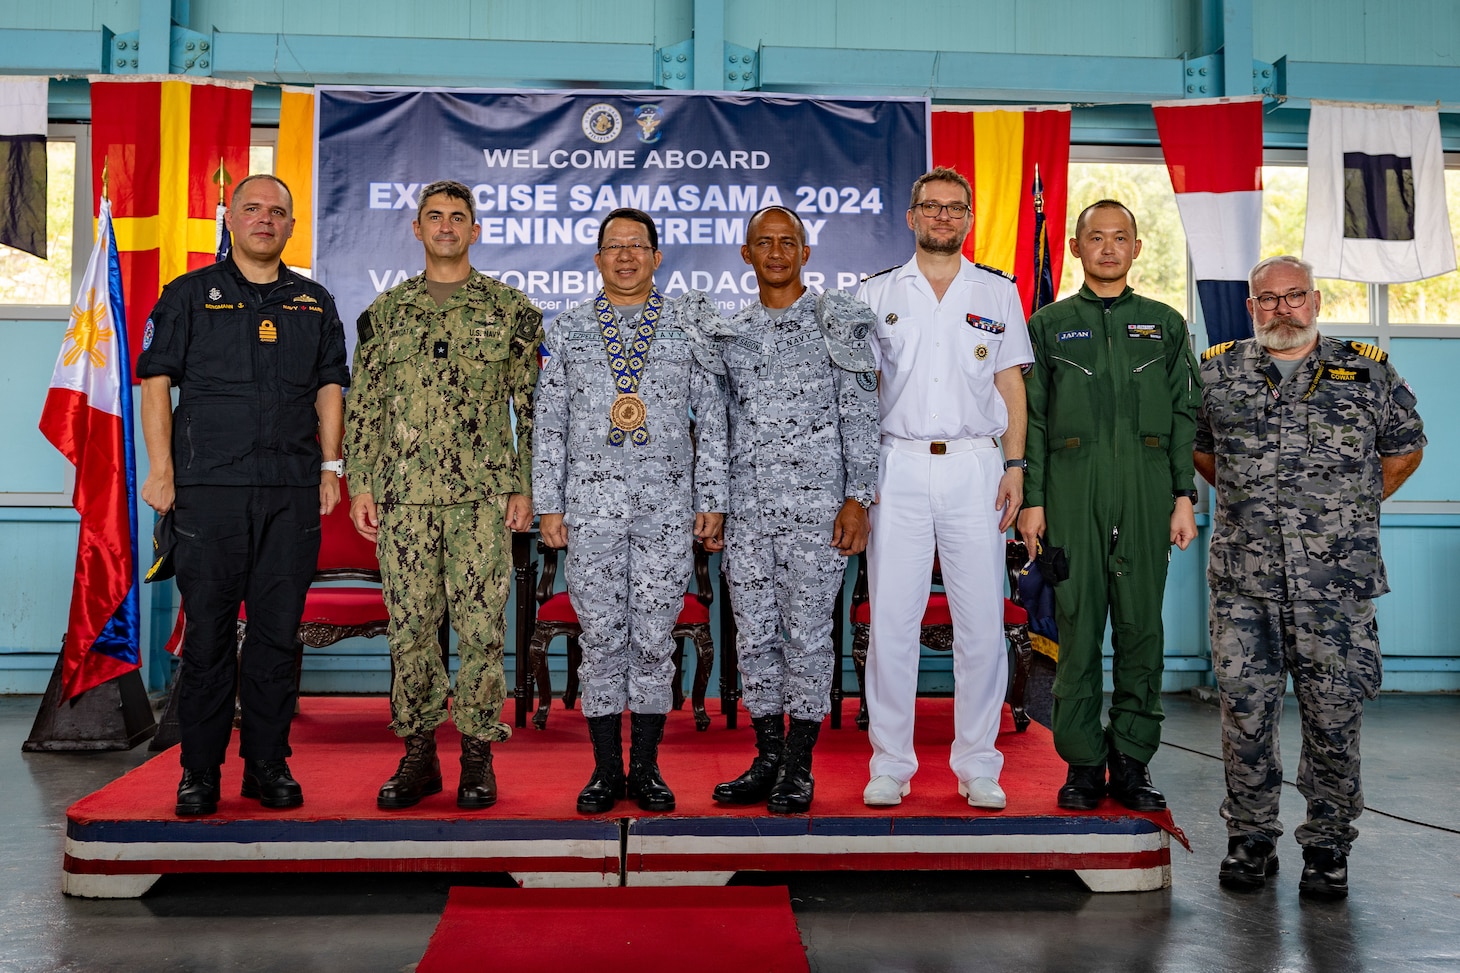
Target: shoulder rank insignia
point(880, 273)
point(994, 270)
point(1368, 350)
point(1216, 350)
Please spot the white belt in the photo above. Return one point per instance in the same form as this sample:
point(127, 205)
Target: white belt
point(939, 447)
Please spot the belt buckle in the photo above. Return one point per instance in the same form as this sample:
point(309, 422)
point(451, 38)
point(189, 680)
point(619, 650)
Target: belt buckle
point(938, 448)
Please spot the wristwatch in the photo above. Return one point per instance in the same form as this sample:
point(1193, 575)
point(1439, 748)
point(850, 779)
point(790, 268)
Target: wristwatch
point(335, 466)
point(1188, 494)
point(1017, 464)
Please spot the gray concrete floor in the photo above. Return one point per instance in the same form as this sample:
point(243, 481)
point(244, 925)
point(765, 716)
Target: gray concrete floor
point(1403, 912)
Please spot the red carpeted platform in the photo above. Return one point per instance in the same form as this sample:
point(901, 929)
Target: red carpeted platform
point(123, 837)
point(734, 930)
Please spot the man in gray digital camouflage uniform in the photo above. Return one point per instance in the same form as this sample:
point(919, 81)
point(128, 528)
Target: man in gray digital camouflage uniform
point(802, 399)
point(439, 479)
point(1303, 436)
point(625, 480)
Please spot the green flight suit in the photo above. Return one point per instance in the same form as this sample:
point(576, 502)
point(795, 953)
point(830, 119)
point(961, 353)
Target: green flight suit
point(1113, 395)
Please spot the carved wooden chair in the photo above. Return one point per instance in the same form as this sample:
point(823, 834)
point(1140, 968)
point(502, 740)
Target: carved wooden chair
point(937, 633)
point(555, 617)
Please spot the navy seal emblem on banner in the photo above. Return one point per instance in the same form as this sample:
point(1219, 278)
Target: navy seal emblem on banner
point(649, 118)
point(602, 123)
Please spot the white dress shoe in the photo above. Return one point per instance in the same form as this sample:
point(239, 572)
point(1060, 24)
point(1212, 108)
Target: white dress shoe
point(983, 792)
point(885, 791)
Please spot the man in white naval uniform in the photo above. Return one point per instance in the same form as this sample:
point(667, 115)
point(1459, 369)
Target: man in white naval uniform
point(951, 346)
point(620, 481)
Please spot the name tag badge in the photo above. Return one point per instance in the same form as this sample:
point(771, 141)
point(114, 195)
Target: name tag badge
point(1151, 331)
point(1338, 374)
point(1081, 334)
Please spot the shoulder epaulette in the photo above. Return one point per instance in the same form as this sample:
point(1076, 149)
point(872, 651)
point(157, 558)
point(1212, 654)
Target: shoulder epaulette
point(880, 273)
point(1216, 350)
point(1368, 350)
point(994, 270)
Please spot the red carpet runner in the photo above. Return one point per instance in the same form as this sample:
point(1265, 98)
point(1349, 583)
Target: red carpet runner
point(647, 930)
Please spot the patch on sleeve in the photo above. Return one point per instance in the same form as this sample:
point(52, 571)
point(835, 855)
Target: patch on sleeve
point(148, 333)
point(1368, 350)
point(868, 380)
point(1216, 350)
point(364, 328)
point(1404, 396)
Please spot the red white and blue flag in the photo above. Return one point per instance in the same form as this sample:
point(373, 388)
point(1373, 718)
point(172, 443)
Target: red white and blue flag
point(88, 417)
point(1213, 152)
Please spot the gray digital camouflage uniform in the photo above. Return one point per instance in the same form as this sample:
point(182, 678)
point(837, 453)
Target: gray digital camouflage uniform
point(629, 509)
point(1294, 567)
point(802, 401)
point(428, 433)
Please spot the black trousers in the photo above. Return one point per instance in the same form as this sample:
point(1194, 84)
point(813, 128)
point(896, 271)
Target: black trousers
point(253, 545)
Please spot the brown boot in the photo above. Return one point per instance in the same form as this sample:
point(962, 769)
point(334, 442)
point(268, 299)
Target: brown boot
point(478, 787)
point(419, 774)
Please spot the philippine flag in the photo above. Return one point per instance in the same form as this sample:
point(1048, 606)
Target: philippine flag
point(88, 417)
point(1213, 151)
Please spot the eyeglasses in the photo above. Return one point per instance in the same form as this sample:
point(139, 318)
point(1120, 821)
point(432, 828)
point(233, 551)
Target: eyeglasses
point(955, 210)
point(1269, 302)
point(633, 249)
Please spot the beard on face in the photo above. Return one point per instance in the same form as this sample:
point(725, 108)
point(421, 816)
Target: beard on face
point(1284, 333)
point(931, 244)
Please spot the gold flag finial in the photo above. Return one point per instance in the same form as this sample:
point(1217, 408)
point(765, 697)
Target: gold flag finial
point(222, 178)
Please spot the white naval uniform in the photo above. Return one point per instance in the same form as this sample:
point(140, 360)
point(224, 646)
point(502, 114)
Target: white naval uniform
point(937, 362)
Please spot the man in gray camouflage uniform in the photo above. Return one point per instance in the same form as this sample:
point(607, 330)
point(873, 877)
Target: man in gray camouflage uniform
point(1303, 436)
point(439, 478)
point(622, 480)
point(802, 398)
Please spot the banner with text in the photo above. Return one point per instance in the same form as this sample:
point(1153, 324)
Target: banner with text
point(545, 167)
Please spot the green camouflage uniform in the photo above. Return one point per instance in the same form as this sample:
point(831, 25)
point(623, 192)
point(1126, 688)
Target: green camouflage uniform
point(1294, 567)
point(430, 436)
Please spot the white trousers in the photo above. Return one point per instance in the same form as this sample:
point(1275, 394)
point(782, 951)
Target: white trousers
point(942, 502)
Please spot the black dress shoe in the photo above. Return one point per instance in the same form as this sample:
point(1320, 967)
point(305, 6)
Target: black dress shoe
point(417, 775)
point(1325, 874)
point(1130, 784)
point(198, 792)
point(1251, 858)
point(270, 783)
point(1084, 787)
point(478, 787)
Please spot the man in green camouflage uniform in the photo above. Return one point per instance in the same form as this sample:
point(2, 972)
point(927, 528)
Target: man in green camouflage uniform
point(1303, 436)
point(439, 478)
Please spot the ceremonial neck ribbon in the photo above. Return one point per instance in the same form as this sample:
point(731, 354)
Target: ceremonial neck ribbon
point(626, 357)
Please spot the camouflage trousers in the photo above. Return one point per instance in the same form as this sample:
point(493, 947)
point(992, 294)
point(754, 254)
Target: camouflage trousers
point(783, 589)
point(431, 556)
point(1331, 650)
point(626, 579)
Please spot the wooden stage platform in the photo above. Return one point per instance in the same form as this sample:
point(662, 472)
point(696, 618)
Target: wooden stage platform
point(124, 837)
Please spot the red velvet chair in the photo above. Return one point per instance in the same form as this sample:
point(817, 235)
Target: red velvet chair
point(555, 617)
point(937, 634)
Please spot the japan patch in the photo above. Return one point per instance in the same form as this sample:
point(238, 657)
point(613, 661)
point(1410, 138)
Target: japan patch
point(1152, 331)
point(148, 333)
point(985, 324)
point(1083, 333)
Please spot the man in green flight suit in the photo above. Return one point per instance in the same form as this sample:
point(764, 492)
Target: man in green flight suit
point(1113, 395)
point(439, 477)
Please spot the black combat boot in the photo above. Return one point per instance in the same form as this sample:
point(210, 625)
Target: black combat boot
point(1130, 784)
point(755, 784)
point(645, 732)
point(1251, 858)
point(1084, 787)
point(478, 787)
point(607, 783)
point(794, 785)
point(1325, 874)
point(270, 783)
point(198, 792)
point(418, 774)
